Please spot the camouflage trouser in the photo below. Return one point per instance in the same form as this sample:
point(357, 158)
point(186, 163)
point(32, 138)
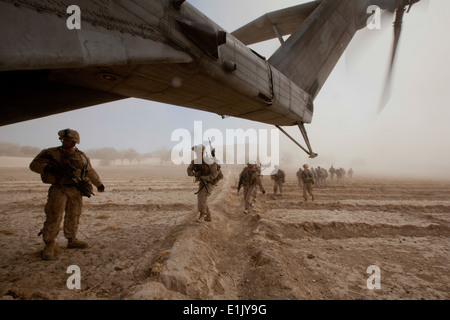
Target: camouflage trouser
point(255, 189)
point(308, 188)
point(276, 185)
point(60, 199)
point(300, 182)
point(202, 197)
point(249, 194)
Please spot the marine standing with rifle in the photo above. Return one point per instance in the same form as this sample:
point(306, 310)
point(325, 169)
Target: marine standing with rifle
point(207, 175)
point(71, 176)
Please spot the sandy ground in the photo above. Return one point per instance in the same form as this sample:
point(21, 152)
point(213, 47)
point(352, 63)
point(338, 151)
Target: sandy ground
point(145, 243)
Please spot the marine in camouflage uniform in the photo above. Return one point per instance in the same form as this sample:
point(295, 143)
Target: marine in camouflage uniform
point(207, 176)
point(255, 190)
point(350, 173)
point(308, 182)
point(249, 178)
point(332, 171)
point(320, 177)
point(339, 174)
point(278, 180)
point(299, 177)
point(63, 195)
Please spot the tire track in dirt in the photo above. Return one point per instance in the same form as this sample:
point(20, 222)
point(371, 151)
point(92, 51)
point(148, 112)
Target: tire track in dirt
point(343, 206)
point(208, 260)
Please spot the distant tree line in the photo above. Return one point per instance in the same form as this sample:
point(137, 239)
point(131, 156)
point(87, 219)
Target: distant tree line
point(16, 150)
point(109, 155)
point(106, 155)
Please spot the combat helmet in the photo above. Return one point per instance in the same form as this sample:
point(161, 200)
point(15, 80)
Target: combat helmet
point(198, 148)
point(251, 163)
point(69, 134)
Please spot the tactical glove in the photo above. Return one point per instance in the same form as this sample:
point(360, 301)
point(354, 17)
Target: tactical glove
point(101, 188)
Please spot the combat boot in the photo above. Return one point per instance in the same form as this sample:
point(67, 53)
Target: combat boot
point(49, 251)
point(208, 218)
point(74, 243)
point(200, 218)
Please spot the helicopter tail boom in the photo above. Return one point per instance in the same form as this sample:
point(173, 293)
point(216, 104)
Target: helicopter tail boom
point(309, 55)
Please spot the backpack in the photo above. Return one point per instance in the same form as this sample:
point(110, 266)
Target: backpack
point(219, 175)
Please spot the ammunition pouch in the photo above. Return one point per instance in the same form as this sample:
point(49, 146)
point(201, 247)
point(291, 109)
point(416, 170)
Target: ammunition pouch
point(48, 178)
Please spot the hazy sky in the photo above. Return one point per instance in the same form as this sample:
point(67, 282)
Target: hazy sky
point(410, 135)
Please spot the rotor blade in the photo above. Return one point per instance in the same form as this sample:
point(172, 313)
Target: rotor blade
point(397, 31)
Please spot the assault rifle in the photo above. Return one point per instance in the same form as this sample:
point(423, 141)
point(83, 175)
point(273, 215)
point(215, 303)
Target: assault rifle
point(213, 154)
point(213, 150)
point(197, 171)
point(67, 173)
